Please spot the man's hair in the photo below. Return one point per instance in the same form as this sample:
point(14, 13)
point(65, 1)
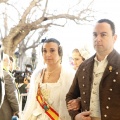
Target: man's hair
point(109, 22)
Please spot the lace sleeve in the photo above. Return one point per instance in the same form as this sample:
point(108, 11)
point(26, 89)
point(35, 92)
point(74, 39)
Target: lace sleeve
point(31, 97)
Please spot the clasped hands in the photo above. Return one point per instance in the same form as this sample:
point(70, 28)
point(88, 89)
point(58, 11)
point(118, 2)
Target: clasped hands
point(75, 105)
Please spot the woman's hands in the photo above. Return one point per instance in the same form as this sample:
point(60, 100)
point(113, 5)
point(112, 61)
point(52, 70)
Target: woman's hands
point(74, 104)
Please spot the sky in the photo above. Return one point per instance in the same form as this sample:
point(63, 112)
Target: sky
point(73, 35)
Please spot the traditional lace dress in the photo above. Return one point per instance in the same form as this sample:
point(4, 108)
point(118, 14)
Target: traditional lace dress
point(54, 94)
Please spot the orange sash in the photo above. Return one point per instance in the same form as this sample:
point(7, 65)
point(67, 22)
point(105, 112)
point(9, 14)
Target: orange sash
point(48, 109)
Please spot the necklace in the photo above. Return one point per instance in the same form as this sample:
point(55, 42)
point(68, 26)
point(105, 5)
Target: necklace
point(50, 73)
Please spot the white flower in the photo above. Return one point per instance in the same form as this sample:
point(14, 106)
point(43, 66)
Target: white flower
point(84, 53)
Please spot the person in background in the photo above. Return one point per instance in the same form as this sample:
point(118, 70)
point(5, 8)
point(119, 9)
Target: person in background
point(79, 55)
point(11, 71)
point(48, 86)
point(10, 105)
point(97, 80)
point(6, 62)
point(11, 65)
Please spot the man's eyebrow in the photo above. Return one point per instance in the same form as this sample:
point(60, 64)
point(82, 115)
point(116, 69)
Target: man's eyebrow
point(104, 32)
point(100, 33)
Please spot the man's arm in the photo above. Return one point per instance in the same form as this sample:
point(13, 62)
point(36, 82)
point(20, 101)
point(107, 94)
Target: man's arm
point(73, 94)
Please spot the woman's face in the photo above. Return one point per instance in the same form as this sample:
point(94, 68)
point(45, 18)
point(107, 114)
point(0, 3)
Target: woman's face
point(50, 53)
point(77, 59)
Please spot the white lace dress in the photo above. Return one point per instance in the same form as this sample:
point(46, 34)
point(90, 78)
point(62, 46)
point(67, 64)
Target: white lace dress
point(54, 93)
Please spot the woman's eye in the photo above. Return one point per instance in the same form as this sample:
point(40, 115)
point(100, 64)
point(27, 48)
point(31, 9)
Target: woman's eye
point(76, 59)
point(94, 35)
point(52, 50)
point(44, 51)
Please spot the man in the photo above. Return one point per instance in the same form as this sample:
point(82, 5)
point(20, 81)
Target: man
point(97, 80)
point(10, 105)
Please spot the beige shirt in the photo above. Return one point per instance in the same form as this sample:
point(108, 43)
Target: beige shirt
point(99, 67)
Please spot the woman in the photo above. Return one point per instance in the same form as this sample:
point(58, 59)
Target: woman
point(52, 83)
point(78, 56)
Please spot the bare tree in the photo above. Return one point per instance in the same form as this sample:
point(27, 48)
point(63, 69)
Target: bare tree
point(38, 16)
point(3, 1)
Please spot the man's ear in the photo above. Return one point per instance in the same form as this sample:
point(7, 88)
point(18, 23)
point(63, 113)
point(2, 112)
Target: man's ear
point(115, 38)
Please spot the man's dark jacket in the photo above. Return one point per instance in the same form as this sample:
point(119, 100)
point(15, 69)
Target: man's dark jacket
point(109, 88)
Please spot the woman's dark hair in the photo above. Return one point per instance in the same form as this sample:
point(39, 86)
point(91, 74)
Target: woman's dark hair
point(60, 51)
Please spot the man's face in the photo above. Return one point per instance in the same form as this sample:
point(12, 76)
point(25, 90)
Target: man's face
point(103, 39)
